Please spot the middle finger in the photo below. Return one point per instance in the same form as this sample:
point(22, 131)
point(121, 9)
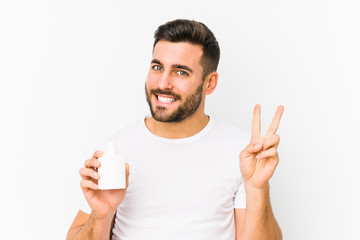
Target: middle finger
point(92, 163)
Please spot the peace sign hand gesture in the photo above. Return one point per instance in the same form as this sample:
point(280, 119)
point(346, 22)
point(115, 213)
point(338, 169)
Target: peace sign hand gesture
point(260, 158)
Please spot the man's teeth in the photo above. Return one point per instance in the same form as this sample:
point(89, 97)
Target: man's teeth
point(166, 99)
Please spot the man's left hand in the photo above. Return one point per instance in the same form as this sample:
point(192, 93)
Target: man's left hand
point(260, 158)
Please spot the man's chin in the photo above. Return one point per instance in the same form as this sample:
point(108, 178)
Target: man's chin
point(162, 117)
point(166, 117)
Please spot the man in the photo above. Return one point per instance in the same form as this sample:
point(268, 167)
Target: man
point(188, 180)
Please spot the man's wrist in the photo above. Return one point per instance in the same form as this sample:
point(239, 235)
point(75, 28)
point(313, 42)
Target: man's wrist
point(257, 197)
point(104, 214)
point(101, 220)
point(251, 189)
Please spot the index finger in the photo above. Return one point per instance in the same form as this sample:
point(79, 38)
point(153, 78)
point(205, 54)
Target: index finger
point(90, 163)
point(276, 121)
point(97, 154)
point(256, 123)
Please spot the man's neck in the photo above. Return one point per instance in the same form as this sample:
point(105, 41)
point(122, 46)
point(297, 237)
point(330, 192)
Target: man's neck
point(183, 129)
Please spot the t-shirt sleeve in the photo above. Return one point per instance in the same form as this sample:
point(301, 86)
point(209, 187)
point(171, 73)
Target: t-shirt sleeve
point(240, 196)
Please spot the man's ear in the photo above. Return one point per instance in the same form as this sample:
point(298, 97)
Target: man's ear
point(210, 83)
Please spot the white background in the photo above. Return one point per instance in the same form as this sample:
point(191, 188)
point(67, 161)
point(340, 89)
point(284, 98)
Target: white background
point(73, 72)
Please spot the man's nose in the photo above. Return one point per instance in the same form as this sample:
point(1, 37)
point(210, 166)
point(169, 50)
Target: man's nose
point(165, 81)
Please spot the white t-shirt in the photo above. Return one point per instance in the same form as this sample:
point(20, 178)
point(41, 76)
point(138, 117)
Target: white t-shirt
point(180, 188)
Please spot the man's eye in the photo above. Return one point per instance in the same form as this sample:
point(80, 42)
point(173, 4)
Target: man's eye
point(182, 73)
point(157, 68)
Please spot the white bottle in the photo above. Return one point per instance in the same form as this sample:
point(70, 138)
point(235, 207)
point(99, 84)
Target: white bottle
point(112, 170)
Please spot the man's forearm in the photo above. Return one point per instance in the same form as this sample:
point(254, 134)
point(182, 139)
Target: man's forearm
point(93, 229)
point(260, 222)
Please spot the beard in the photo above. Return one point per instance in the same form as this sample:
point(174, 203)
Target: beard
point(183, 111)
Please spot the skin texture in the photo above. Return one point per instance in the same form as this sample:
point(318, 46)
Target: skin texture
point(176, 74)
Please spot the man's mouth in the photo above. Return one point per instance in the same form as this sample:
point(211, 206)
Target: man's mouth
point(165, 99)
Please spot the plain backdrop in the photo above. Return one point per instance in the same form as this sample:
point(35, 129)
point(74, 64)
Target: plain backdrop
point(73, 72)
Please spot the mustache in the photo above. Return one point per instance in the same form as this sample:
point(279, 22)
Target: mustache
point(169, 93)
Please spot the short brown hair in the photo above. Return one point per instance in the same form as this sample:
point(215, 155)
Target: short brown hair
point(182, 30)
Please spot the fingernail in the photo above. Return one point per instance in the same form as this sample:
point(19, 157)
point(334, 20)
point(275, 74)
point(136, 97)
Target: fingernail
point(96, 162)
point(257, 146)
point(96, 174)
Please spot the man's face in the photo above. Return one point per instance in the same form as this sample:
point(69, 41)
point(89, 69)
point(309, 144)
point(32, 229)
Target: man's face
point(174, 86)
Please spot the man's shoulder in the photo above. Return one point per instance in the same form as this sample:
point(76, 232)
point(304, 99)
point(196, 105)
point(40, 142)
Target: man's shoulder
point(225, 127)
point(229, 135)
point(130, 130)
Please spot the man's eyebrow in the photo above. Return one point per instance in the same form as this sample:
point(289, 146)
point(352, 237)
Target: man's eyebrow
point(156, 61)
point(182, 67)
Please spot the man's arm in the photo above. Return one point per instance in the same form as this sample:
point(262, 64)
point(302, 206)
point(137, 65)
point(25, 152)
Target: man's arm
point(257, 164)
point(86, 226)
point(257, 220)
point(239, 215)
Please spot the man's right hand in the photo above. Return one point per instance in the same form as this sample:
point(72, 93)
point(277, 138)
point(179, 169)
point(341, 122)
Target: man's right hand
point(102, 202)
